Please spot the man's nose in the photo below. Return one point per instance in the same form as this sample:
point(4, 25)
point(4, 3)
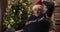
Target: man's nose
point(37, 10)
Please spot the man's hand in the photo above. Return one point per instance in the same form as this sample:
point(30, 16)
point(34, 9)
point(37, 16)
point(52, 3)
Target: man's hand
point(20, 30)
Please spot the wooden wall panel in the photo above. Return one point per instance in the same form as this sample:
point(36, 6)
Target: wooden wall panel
point(3, 5)
point(57, 18)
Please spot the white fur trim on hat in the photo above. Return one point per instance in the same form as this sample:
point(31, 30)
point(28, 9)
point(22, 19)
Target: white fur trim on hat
point(36, 6)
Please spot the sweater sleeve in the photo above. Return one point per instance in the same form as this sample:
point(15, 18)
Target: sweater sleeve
point(50, 8)
point(24, 24)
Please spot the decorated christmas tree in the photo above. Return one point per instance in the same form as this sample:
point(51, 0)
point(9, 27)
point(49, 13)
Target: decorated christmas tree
point(17, 13)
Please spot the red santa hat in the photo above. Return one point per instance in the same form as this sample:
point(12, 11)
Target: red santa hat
point(38, 5)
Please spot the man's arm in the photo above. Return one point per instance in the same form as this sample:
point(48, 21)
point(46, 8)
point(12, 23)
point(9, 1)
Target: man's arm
point(50, 8)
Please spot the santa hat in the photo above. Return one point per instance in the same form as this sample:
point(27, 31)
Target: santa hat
point(38, 5)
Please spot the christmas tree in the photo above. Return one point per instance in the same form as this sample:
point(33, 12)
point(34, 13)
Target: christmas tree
point(17, 13)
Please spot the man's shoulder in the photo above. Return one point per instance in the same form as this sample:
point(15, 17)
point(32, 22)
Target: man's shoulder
point(31, 17)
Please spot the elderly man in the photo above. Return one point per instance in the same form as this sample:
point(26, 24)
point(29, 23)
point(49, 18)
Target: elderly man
point(39, 21)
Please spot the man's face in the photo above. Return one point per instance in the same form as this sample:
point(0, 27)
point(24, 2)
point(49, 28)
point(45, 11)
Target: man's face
point(37, 11)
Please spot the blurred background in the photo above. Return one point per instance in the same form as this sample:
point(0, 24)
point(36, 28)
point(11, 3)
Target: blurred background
point(13, 14)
